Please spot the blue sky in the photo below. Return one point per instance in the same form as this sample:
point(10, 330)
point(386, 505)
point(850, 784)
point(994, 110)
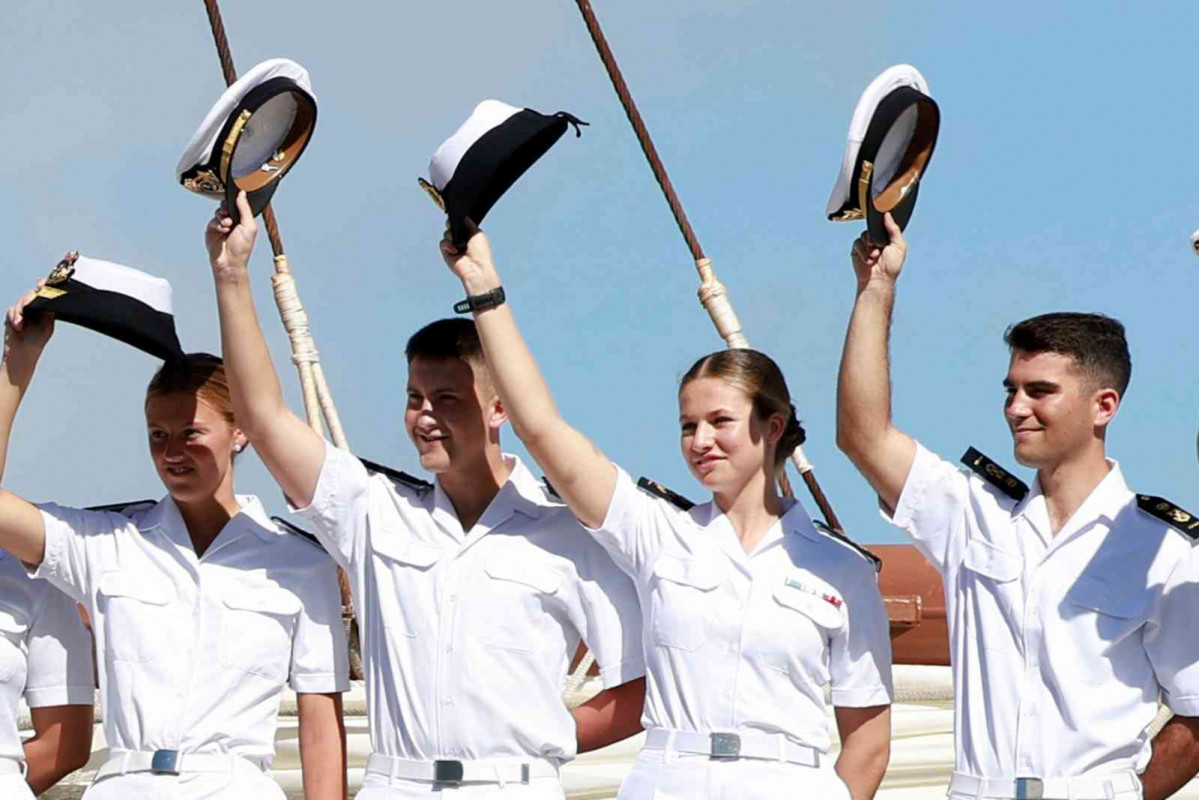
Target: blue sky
point(1063, 180)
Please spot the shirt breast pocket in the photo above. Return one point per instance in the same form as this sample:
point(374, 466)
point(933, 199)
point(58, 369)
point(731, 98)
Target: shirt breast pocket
point(13, 651)
point(137, 611)
point(990, 578)
point(1099, 615)
point(682, 602)
point(518, 597)
point(404, 571)
point(800, 628)
point(257, 625)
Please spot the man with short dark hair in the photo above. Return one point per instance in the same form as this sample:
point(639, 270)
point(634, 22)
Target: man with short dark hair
point(1074, 605)
point(471, 593)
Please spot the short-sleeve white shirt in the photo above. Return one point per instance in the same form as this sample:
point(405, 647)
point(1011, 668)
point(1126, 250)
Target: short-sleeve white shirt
point(743, 642)
point(45, 651)
point(467, 635)
point(1061, 645)
point(194, 653)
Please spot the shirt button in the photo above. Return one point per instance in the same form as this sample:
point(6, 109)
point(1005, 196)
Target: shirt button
point(446, 701)
point(449, 648)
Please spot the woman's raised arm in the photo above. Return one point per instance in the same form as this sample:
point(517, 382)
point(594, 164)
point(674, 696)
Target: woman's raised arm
point(579, 472)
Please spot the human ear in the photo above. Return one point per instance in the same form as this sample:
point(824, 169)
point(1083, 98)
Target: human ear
point(1107, 401)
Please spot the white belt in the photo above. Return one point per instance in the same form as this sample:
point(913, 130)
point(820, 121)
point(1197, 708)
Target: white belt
point(172, 762)
point(12, 766)
point(731, 746)
point(1102, 786)
point(489, 770)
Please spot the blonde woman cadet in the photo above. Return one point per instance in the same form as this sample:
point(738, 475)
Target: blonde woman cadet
point(203, 610)
point(749, 610)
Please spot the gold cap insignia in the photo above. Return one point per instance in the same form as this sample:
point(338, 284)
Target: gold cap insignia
point(431, 190)
point(204, 182)
point(63, 270)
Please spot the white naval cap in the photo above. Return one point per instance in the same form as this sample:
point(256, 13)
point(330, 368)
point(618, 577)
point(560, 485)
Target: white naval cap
point(118, 301)
point(252, 136)
point(472, 169)
point(891, 139)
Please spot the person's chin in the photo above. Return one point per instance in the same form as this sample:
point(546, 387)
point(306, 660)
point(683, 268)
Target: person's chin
point(1027, 455)
point(436, 461)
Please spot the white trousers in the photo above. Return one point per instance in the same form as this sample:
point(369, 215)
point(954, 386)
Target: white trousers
point(1131, 794)
point(188, 786)
point(378, 787)
point(14, 787)
point(658, 775)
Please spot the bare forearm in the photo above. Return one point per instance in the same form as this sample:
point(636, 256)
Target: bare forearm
point(1175, 758)
point(864, 383)
point(611, 716)
point(61, 744)
point(257, 394)
point(322, 747)
point(862, 768)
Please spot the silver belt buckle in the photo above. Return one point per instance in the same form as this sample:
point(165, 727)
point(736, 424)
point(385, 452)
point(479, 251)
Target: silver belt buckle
point(165, 762)
point(448, 772)
point(725, 745)
point(1030, 789)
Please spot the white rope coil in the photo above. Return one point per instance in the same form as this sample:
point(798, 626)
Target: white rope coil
point(714, 298)
point(295, 319)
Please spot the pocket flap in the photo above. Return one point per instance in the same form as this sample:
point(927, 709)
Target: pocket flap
point(154, 591)
point(986, 559)
point(263, 599)
point(414, 554)
point(1107, 598)
point(542, 580)
point(812, 603)
point(688, 572)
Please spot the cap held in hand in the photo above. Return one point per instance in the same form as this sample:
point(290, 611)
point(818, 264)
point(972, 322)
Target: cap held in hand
point(472, 169)
point(112, 299)
point(252, 136)
point(891, 140)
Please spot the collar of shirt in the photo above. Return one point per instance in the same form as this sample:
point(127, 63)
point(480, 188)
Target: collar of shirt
point(521, 493)
point(1104, 502)
point(252, 518)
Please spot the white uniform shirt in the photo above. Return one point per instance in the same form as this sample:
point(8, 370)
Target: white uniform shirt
point(1060, 644)
point(467, 635)
point(741, 642)
point(45, 652)
point(194, 652)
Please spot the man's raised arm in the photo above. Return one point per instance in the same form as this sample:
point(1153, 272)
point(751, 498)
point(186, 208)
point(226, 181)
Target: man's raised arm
point(865, 433)
point(291, 450)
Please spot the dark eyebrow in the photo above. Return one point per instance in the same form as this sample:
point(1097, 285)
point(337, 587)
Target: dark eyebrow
point(1043, 385)
point(1007, 384)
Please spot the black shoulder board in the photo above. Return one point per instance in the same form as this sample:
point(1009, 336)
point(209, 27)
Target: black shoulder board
point(995, 475)
point(411, 481)
point(850, 543)
point(549, 487)
point(1170, 514)
point(127, 509)
point(287, 526)
point(655, 488)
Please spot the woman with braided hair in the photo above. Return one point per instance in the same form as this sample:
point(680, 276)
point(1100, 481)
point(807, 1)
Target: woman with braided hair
point(749, 608)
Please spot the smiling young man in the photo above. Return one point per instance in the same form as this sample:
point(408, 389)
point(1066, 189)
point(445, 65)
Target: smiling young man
point(1072, 605)
point(471, 593)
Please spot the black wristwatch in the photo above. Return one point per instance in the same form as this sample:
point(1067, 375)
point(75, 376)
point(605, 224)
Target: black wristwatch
point(480, 302)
